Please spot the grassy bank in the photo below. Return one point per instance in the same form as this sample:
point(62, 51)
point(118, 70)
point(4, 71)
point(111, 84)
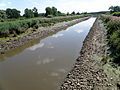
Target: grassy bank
point(14, 28)
point(113, 35)
point(10, 43)
point(87, 73)
point(112, 61)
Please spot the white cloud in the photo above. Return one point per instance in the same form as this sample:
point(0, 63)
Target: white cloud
point(5, 4)
point(45, 61)
point(34, 2)
point(62, 70)
point(54, 74)
point(79, 31)
point(57, 35)
point(86, 5)
point(62, 5)
point(49, 45)
point(33, 48)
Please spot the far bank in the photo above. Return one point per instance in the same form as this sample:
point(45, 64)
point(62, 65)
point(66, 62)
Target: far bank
point(10, 43)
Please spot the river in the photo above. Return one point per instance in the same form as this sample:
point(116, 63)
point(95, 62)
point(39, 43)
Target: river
point(45, 64)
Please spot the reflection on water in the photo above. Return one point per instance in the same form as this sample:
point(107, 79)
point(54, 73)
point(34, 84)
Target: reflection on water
point(43, 64)
point(18, 50)
point(45, 61)
point(79, 31)
point(33, 48)
point(57, 35)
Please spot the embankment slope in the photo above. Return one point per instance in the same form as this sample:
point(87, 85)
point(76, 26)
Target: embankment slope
point(88, 73)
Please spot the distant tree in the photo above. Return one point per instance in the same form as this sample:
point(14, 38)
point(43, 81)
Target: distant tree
point(54, 11)
point(16, 13)
point(28, 13)
point(12, 13)
point(73, 13)
point(2, 15)
point(41, 14)
point(84, 13)
point(9, 13)
point(35, 12)
point(68, 13)
point(111, 9)
point(59, 13)
point(77, 13)
point(114, 9)
point(48, 11)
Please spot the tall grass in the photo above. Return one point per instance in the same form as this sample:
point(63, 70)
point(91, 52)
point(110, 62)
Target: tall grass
point(20, 26)
point(113, 34)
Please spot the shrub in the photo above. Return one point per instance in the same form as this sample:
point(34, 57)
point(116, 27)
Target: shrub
point(20, 26)
point(113, 35)
point(116, 14)
point(50, 16)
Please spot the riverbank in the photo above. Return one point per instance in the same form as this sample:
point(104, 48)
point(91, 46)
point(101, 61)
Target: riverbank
point(31, 34)
point(88, 72)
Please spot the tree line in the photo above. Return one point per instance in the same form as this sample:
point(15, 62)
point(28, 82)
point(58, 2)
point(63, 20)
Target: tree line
point(16, 27)
point(115, 10)
point(30, 13)
point(14, 13)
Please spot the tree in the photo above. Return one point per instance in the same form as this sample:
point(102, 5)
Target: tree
point(35, 12)
point(42, 14)
point(9, 13)
point(77, 13)
point(111, 9)
point(2, 15)
point(12, 13)
point(84, 13)
point(73, 13)
point(54, 11)
point(68, 13)
point(61, 14)
point(28, 13)
point(48, 11)
point(16, 13)
point(114, 9)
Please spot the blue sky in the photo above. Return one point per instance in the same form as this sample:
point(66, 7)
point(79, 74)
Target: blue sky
point(62, 5)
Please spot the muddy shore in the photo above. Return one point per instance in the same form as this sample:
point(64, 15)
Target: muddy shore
point(88, 72)
point(35, 34)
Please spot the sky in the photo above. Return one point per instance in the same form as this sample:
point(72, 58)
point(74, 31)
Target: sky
point(62, 5)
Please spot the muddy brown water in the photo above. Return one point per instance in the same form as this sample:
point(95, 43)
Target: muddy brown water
point(44, 64)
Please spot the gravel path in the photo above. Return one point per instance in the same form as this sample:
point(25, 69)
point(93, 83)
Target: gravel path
point(87, 73)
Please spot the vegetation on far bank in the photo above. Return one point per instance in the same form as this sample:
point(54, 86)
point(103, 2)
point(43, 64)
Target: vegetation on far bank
point(20, 26)
point(13, 14)
point(12, 23)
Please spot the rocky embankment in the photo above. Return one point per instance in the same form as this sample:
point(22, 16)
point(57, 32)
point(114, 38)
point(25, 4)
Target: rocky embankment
point(88, 73)
point(35, 34)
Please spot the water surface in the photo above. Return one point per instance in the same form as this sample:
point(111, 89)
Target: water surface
point(44, 65)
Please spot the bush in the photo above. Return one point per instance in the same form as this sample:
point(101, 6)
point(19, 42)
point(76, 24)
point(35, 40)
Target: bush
point(113, 35)
point(50, 16)
point(116, 14)
point(20, 26)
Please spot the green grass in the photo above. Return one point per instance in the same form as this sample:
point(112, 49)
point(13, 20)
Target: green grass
point(113, 35)
point(20, 26)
